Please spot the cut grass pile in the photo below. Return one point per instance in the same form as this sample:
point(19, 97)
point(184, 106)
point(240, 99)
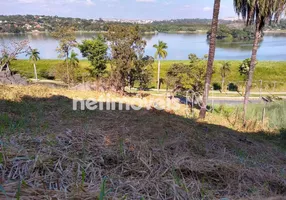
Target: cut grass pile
point(267, 71)
point(47, 150)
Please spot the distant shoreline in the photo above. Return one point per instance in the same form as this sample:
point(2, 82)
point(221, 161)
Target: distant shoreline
point(145, 33)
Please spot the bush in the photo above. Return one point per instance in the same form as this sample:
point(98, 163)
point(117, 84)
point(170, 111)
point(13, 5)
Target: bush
point(232, 87)
point(216, 86)
point(283, 134)
point(46, 74)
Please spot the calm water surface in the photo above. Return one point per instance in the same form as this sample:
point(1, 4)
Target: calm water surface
point(273, 47)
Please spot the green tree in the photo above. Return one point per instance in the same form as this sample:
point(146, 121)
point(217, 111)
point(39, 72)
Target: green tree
point(34, 57)
point(73, 60)
point(280, 7)
point(126, 44)
point(142, 71)
point(95, 50)
point(224, 72)
point(244, 68)
point(209, 70)
point(67, 41)
point(71, 74)
point(256, 12)
point(190, 76)
point(160, 53)
point(73, 63)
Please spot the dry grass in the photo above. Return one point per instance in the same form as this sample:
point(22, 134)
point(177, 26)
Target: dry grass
point(49, 151)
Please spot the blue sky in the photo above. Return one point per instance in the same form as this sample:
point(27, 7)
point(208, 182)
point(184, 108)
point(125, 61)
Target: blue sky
point(125, 9)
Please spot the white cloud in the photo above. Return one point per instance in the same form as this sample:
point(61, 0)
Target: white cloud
point(146, 1)
point(207, 9)
point(86, 2)
point(90, 3)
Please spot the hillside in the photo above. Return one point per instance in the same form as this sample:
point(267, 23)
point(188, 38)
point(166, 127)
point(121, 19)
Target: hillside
point(50, 151)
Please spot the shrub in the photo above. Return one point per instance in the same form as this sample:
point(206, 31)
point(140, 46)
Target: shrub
point(216, 86)
point(232, 87)
point(283, 134)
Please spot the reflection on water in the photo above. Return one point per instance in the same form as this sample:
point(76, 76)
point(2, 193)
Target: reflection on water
point(180, 46)
point(242, 46)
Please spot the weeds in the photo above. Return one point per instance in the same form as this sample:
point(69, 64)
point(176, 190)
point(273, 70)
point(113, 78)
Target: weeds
point(3, 191)
point(63, 154)
point(103, 191)
point(275, 113)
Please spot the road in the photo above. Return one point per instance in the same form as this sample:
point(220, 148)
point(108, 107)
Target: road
point(227, 100)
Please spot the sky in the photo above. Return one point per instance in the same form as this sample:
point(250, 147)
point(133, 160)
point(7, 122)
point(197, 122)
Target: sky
point(123, 9)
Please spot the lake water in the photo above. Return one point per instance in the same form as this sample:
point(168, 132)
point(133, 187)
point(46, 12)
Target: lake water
point(273, 46)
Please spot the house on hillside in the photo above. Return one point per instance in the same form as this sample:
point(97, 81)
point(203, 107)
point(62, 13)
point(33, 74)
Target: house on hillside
point(27, 26)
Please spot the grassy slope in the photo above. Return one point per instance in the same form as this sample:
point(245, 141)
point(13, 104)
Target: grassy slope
point(265, 70)
point(274, 113)
point(148, 154)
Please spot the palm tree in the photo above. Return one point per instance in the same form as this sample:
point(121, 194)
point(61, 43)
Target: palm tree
point(73, 62)
point(281, 7)
point(224, 71)
point(161, 53)
point(258, 11)
point(211, 57)
point(34, 57)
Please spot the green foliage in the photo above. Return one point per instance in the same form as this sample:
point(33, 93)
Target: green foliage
point(69, 71)
point(95, 50)
point(67, 40)
point(233, 34)
point(268, 71)
point(126, 44)
point(224, 72)
point(244, 68)
point(142, 72)
point(259, 11)
point(232, 87)
point(275, 113)
point(2, 190)
point(225, 69)
point(73, 60)
point(49, 22)
point(190, 76)
point(216, 86)
point(103, 192)
point(283, 134)
point(161, 52)
point(33, 55)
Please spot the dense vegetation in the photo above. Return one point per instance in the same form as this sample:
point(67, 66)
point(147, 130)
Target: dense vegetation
point(233, 34)
point(281, 25)
point(27, 23)
point(267, 71)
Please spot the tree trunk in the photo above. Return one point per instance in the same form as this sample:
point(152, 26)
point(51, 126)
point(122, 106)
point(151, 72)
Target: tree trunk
point(68, 75)
point(251, 70)
point(222, 84)
point(67, 66)
point(7, 69)
point(211, 57)
point(159, 70)
point(35, 71)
